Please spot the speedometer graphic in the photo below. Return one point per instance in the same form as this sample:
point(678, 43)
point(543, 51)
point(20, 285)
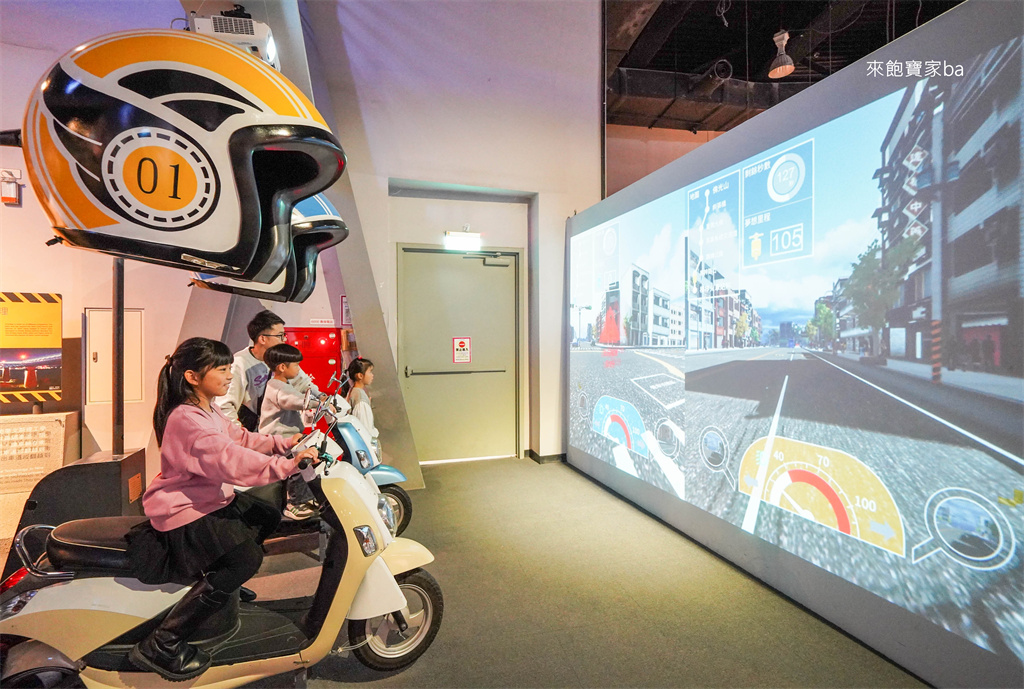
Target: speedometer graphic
point(826, 486)
point(800, 487)
point(620, 421)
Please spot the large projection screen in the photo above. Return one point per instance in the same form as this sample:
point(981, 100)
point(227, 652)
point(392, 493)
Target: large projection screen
point(801, 345)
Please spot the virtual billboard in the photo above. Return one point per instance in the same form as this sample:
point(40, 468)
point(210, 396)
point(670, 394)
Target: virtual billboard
point(821, 344)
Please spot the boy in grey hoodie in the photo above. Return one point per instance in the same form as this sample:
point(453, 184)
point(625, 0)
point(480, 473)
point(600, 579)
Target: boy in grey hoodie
point(281, 414)
point(244, 398)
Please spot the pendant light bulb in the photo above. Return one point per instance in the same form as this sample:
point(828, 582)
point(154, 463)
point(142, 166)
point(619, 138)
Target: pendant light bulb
point(782, 65)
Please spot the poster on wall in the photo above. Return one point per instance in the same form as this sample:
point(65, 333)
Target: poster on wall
point(462, 350)
point(30, 347)
point(346, 315)
point(790, 345)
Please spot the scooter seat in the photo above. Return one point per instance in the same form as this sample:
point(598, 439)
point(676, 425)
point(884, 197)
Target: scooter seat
point(273, 493)
point(89, 544)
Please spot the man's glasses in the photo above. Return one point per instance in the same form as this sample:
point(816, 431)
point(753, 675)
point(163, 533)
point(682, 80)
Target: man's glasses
point(280, 336)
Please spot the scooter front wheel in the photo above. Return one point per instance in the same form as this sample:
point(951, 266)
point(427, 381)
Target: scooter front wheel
point(401, 505)
point(386, 647)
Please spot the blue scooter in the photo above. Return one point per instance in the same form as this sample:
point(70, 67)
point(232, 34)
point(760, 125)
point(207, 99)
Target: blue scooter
point(350, 441)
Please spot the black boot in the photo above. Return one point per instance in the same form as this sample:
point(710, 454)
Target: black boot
point(165, 651)
point(246, 595)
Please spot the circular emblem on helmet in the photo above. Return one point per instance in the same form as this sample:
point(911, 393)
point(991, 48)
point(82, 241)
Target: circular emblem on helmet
point(159, 178)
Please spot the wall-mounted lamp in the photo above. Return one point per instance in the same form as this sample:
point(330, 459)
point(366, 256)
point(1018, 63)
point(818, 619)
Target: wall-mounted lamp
point(462, 241)
point(782, 65)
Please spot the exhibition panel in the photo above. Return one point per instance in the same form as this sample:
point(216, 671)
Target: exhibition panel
point(802, 345)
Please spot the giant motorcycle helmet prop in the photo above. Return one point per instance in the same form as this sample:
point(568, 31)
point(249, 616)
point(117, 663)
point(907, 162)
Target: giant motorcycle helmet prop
point(177, 149)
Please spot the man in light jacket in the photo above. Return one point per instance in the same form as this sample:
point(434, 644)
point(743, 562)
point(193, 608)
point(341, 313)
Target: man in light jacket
point(244, 398)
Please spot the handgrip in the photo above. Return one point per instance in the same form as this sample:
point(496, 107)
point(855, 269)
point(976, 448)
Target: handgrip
point(304, 463)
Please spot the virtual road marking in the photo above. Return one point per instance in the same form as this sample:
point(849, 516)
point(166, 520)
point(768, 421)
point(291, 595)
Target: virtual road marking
point(643, 383)
point(671, 369)
point(757, 491)
point(947, 424)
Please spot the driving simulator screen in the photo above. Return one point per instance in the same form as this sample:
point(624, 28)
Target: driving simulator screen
point(822, 343)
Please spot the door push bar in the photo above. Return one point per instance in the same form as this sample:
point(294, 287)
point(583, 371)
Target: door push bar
point(409, 372)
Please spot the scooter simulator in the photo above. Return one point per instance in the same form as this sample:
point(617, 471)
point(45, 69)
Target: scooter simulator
point(363, 451)
point(73, 613)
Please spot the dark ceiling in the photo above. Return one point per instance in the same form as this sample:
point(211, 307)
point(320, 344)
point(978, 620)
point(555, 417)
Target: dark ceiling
point(703, 64)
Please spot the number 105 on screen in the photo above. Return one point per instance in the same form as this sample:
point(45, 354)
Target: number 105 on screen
point(786, 240)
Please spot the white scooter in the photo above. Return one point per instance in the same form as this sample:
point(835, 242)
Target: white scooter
point(71, 615)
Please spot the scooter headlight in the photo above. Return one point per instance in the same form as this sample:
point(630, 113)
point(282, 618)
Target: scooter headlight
point(387, 514)
point(364, 459)
point(367, 541)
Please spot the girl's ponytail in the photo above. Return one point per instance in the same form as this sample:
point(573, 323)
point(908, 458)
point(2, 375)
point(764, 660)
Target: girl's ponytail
point(197, 354)
point(164, 404)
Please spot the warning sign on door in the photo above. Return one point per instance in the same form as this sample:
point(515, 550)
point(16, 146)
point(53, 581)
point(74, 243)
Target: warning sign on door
point(462, 350)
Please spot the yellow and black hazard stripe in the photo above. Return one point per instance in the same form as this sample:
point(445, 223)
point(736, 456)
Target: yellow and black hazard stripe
point(13, 396)
point(36, 396)
point(30, 298)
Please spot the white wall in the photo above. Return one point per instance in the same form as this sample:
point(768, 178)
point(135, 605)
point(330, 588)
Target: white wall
point(496, 95)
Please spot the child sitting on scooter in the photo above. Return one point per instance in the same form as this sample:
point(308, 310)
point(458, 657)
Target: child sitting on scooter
point(360, 375)
point(281, 414)
point(198, 526)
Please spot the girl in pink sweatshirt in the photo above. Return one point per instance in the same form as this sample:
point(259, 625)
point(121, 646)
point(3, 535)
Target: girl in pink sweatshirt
point(198, 526)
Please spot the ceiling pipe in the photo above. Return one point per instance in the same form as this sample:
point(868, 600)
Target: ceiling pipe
point(712, 79)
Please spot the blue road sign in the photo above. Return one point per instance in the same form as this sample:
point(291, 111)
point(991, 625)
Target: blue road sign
point(778, 207)
point(714, 217)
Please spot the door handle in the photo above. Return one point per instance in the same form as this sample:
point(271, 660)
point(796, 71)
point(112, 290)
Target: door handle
point(409, 372)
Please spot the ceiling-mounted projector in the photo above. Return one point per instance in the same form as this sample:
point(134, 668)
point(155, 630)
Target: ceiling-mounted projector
point(240, 30)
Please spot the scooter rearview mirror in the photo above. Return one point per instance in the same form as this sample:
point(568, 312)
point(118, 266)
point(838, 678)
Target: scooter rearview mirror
point(334, 379)
point(321, 409)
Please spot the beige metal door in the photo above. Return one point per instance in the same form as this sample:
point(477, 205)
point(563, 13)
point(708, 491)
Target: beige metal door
point(458, 351)
point(99, 370)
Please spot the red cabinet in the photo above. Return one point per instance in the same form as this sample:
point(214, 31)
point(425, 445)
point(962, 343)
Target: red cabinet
point(321, 352)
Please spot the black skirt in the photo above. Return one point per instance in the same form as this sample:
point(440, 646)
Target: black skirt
point(183, 554)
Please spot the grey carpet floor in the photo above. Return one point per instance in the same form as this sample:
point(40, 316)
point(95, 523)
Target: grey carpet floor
point(550, 580)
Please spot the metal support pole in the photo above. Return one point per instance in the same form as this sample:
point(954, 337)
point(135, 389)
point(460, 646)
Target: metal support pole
point(118, 363)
